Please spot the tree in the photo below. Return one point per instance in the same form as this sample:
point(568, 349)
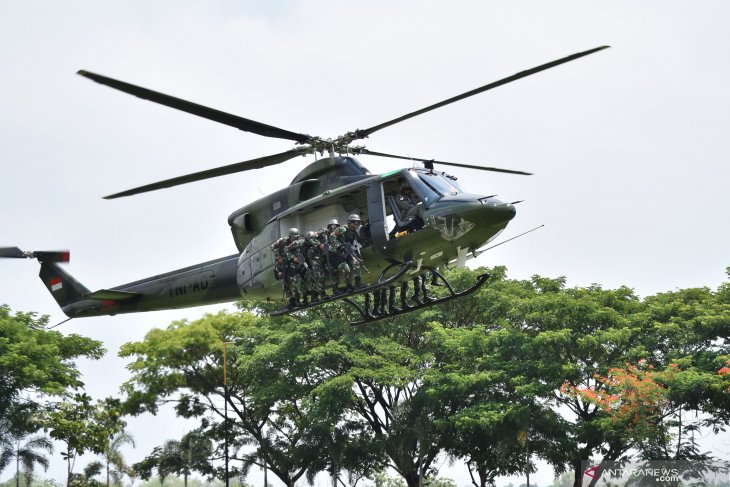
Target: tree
point(26, 455)
point(38, 361)
point(192, 453)
point(114, 462)
point(81, 425)
point(645, 405)
point(278, 412)
point(309, 393)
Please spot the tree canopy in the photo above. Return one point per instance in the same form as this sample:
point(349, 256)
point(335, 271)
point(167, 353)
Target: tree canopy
point(522, 369)
point(38, 361)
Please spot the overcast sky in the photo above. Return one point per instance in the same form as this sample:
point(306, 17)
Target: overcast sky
point(629, 146)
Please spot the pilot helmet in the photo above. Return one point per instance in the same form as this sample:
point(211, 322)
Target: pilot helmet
point(293, 232)
point(333, 222)
point(353, 218)
point(311, 234)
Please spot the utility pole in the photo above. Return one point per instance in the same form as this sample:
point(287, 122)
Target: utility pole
point(225, 404)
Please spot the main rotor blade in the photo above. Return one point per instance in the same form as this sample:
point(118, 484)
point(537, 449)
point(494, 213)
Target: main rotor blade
point(13, 252)
point(443, 163)
point(199, 110)
point(212, 173)
point(522, 74)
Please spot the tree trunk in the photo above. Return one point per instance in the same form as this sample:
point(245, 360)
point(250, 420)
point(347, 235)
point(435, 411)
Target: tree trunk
point(68, 467)
point(412, 478)
point(577, 474)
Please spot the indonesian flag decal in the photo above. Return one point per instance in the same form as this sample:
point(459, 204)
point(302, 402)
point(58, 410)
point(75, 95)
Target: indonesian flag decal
point(56, 284)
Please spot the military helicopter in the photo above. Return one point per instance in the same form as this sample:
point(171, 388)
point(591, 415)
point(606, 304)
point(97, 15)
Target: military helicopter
point(449, 224)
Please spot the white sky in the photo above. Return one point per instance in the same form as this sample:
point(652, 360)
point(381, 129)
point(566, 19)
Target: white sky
point(629, 146)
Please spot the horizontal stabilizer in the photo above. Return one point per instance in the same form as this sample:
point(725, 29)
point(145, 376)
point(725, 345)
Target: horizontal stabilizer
point(111, 295)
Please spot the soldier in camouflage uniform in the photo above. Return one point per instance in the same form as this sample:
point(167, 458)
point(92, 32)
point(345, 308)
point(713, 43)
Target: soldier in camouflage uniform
point(344, 253)
point(297, 269)
point(316, 253)
point(281, 263)
point(290, 266)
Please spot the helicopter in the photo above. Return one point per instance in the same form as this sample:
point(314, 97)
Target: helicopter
point(396, 247)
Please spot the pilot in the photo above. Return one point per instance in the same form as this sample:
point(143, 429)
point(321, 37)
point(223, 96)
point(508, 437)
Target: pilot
point(409, 209)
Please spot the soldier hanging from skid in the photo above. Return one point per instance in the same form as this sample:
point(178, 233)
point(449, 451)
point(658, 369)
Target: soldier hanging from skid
point(291, 267)
point(344, 255)
point(278, 251)
point(298, 269)
point(315, 246)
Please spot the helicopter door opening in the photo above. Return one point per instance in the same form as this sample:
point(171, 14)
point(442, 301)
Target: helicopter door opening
point(406, 208)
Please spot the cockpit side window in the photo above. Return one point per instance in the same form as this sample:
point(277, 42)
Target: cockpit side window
point(425, 192)
point(439, 183)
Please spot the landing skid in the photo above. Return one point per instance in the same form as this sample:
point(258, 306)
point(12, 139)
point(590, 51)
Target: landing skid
point(368, 317)
point(379, 284)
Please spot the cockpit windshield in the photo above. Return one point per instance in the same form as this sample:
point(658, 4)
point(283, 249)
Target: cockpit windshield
point(439, 183)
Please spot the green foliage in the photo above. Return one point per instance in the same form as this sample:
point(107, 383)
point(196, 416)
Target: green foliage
point(491, 379)
point(274, 398)
point(115, 465)
point(173, 481)
point(26, 453)
point(81, 425)
point(35, 360)
point(36, 482)
point(192, 453)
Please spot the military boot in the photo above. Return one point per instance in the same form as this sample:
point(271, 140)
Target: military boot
point(383, 301)
point(292, 303)
point(416, 290)
point(315, 296)
point(404, 296)
point(349, 286)
point(376, 304)
point(358, 282)
point(368, 313)
point(305, 299)
point(424, 291)
point(392, 308)
point(435, 281)
point(336, 288)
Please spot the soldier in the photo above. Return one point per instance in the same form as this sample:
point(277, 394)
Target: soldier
point(297, 269)
point(332, 225)
point(278, 251)
point(316, 254)
point(344, 255)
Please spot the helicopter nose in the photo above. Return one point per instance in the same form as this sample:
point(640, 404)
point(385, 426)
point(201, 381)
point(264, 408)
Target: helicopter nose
point(497, 211)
